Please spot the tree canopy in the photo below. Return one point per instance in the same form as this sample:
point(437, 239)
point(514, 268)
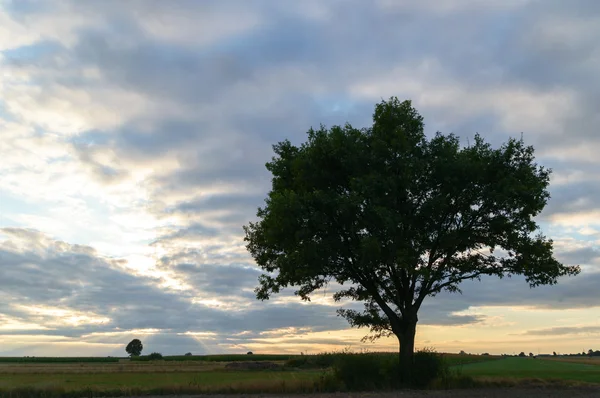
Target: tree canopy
point(394, 217)
point(134, 348)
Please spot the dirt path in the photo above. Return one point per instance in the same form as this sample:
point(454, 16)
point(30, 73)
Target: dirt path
point(473, 393)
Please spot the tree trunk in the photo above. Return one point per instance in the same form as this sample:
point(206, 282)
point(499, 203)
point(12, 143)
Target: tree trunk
point(406, 337)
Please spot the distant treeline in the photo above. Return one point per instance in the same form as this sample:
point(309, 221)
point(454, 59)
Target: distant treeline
point(590, 353)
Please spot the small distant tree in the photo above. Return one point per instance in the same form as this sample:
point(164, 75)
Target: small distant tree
point(531, 354)
point(249, 353)
point(554, 353)
point(188, 354)
point(522, 354)
point(134, 348)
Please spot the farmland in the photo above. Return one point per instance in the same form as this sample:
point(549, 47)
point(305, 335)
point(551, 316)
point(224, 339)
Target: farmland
point(197, 374)
point(529, 368)
point(580, 360)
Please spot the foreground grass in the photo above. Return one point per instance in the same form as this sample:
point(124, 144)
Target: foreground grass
point(149, 381)
point(529, 368)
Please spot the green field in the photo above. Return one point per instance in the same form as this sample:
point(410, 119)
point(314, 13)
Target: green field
point(148, 381)
point(61, 378)
point(529, 368)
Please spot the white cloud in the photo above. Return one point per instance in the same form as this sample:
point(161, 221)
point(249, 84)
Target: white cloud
point(126, 124)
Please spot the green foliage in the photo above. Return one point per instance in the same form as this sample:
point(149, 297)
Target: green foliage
point(155, 356)
point(327, 360)
point(361, 372)
point(376, 371)
point(134, 348)
point(316, 361)
point(395, 217)
point(427, 367)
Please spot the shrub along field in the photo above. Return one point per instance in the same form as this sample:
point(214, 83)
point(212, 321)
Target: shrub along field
point(305, 373)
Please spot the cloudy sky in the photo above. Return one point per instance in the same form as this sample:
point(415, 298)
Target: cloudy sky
point(134, 136)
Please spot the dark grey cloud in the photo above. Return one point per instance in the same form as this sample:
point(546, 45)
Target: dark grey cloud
point(569, 293)
point(561, 331)
point(585, 255)
point(574, 198)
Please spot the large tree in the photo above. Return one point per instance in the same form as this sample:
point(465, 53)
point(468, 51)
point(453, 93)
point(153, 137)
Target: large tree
point(395, 217)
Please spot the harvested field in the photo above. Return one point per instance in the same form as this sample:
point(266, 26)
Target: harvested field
point(580, 360)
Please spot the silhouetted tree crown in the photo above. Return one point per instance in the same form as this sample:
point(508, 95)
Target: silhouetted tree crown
point(134, 348)
point(395, 217)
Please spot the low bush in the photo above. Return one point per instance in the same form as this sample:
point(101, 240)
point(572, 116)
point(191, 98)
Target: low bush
point(373, 371)
point(155, 356)
point(360, 372)
point(428, 366)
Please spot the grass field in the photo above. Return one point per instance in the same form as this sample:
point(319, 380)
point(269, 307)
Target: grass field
point(187, 377)
point(529, 368)
point(148, 381)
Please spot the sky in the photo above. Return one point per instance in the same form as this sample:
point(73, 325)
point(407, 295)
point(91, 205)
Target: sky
point(134, 136)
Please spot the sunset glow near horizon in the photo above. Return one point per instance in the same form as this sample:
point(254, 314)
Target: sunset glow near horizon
point(134, 134)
